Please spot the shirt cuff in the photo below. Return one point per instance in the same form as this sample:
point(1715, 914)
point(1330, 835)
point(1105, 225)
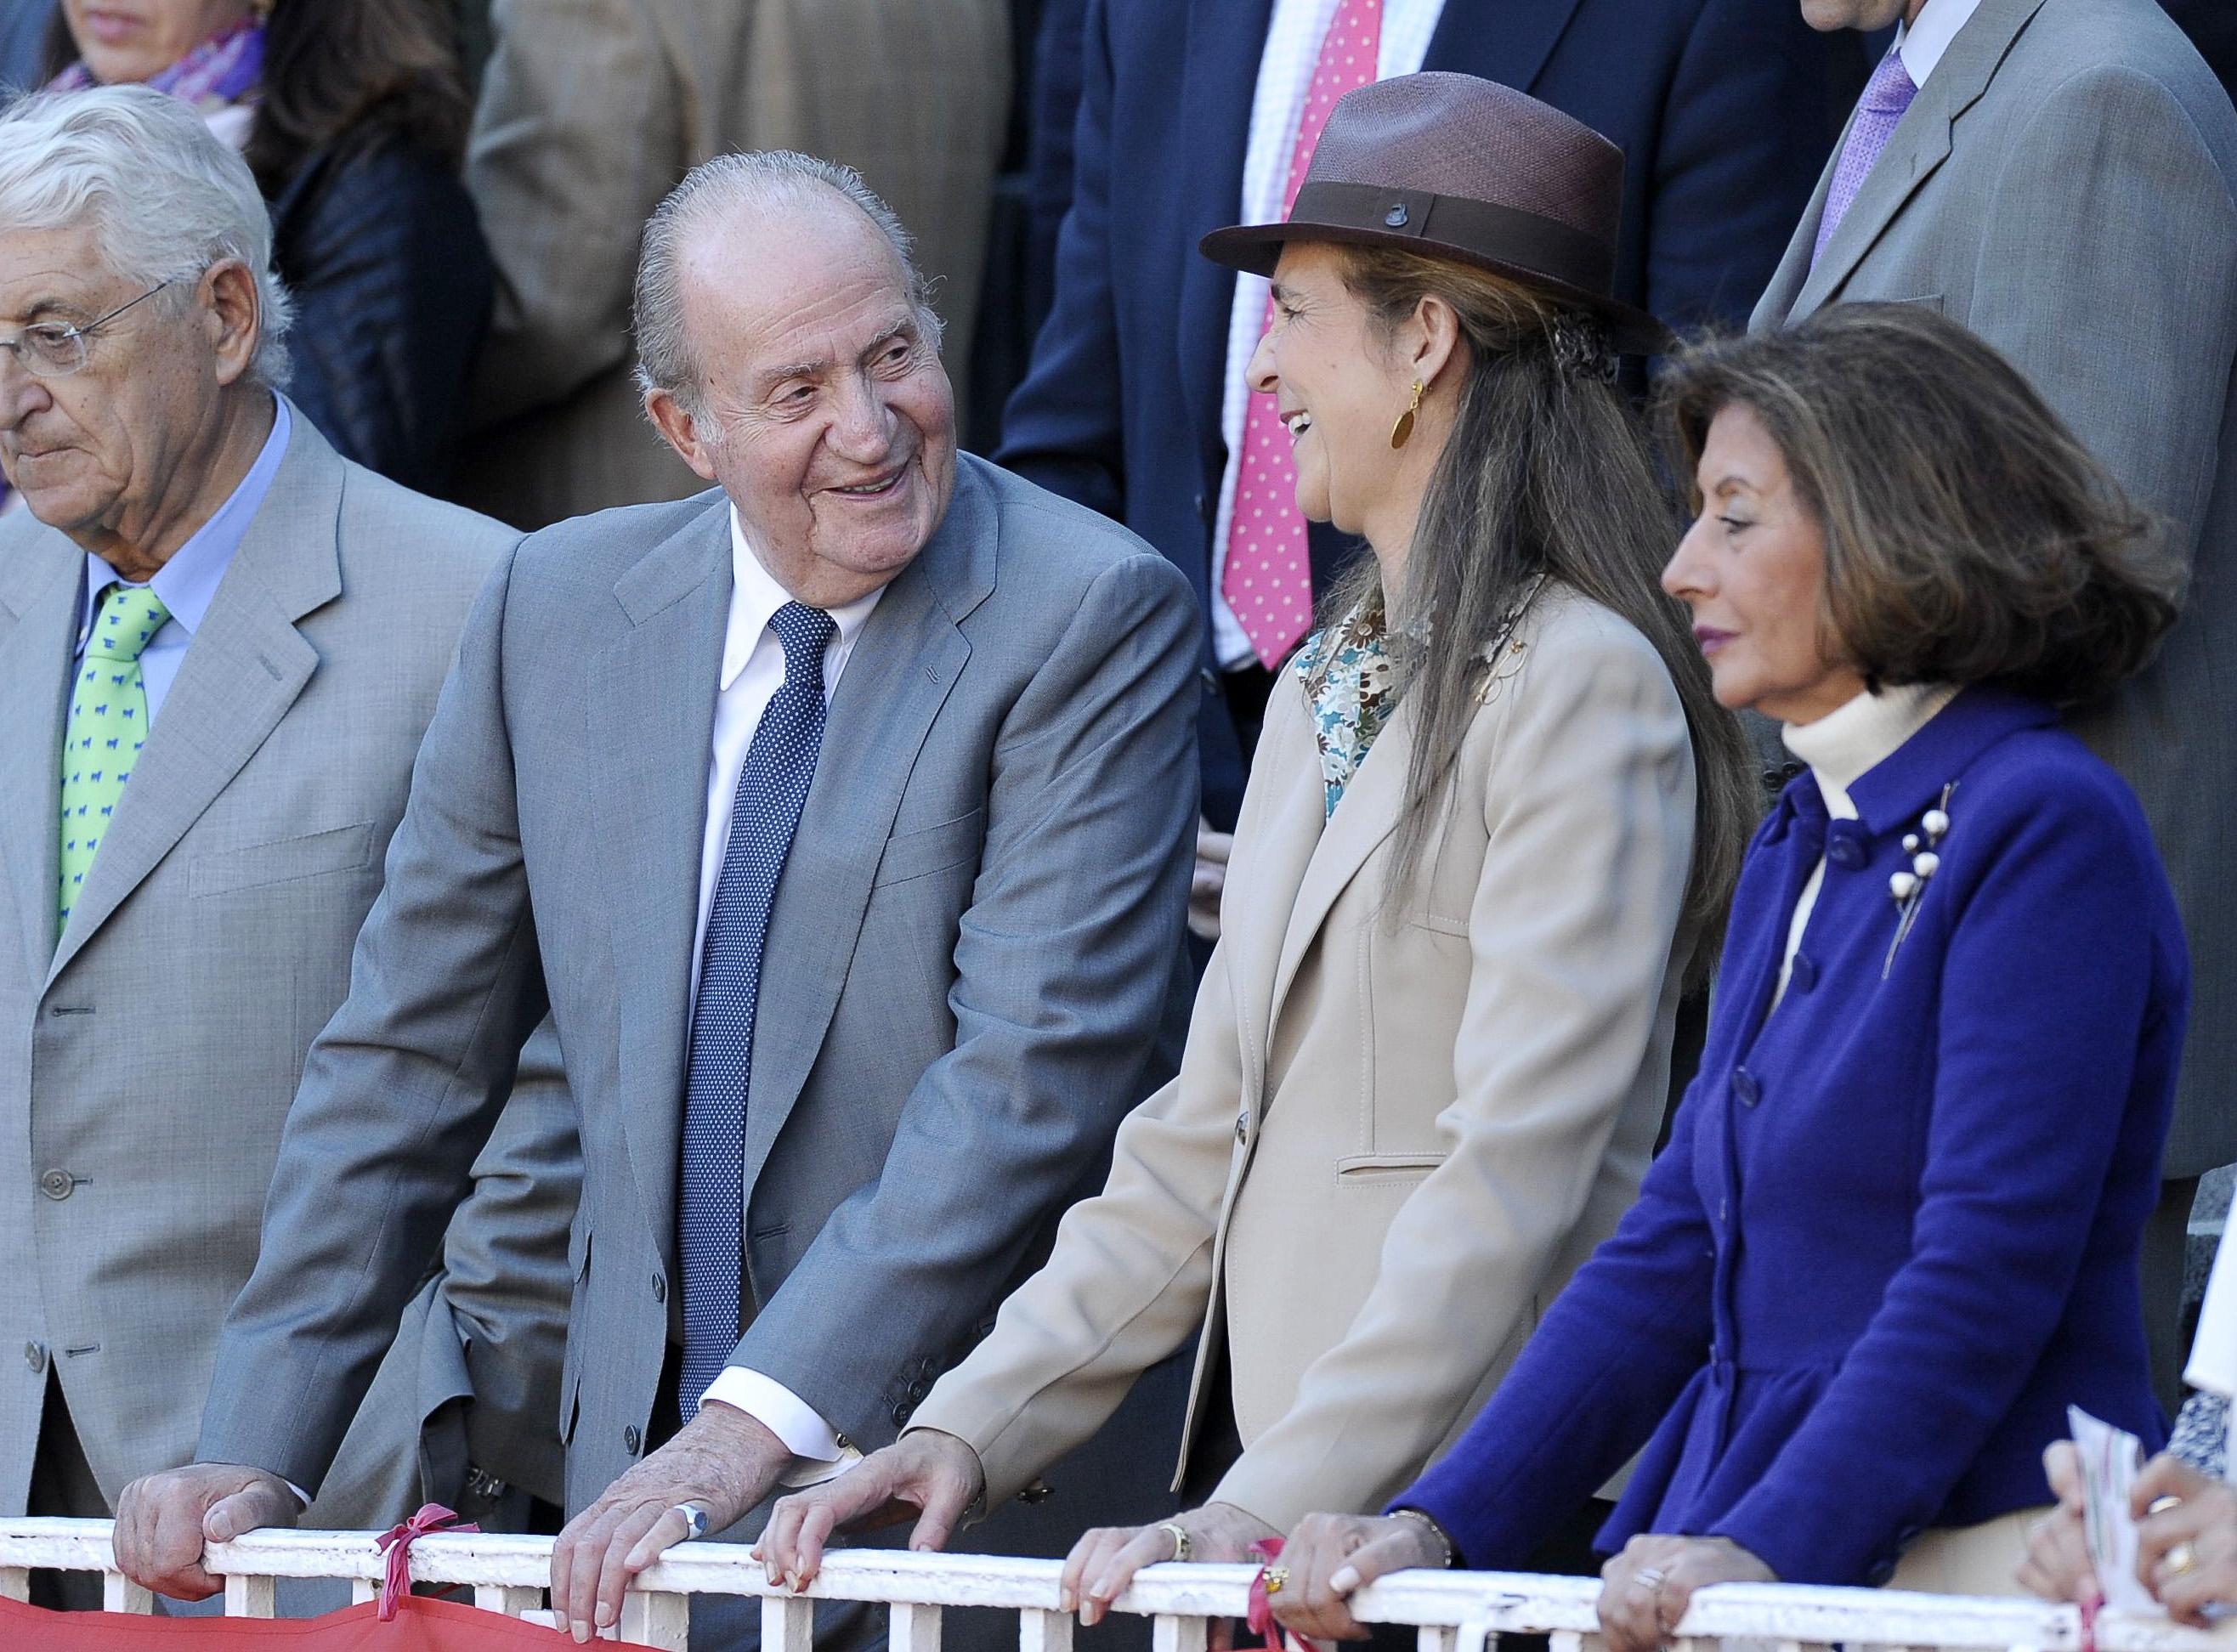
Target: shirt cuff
point(301, 1496)
point(818, 1452)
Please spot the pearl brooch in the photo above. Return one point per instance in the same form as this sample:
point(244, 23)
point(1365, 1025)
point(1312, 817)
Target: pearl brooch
point(1908, 888)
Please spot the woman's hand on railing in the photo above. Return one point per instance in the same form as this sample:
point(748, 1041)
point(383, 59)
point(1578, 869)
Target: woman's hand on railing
point(164, 1521)
point(2187, 1552)
point(933, 1475)
point(1330, 1556)
point(2057, 1566)
point(1104, 1560)
point(1646, 1589)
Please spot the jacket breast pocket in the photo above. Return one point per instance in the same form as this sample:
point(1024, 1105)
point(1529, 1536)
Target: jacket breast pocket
point(1370, 1170)
point(282, 860)
point(936, 848)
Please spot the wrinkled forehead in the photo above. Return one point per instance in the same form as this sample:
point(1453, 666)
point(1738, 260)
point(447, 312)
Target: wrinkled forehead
point(55, 274)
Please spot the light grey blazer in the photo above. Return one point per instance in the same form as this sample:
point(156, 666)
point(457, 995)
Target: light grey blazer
point(147, 1062)
point(2062, 185)
point(975, 947)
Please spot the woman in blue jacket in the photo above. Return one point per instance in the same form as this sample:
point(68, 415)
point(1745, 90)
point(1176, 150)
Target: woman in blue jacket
point(1896, 1232)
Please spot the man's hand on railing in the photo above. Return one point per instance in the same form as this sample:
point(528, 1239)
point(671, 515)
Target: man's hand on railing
point(163, 1521)
point(722, 1461)
point(1330, 1556)
point(935, 1476)
point(1646, 1589)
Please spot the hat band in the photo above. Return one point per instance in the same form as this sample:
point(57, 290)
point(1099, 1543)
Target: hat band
point(1482, 228)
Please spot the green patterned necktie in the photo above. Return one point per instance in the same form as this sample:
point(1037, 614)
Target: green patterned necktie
point(108, 726)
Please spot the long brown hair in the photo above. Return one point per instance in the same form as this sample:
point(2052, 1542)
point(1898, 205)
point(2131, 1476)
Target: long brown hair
point(1970, 536)
point(333, 66)
point(1548, 473)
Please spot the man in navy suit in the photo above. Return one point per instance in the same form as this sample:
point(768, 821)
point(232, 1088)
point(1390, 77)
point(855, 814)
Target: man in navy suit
point(1130, 403)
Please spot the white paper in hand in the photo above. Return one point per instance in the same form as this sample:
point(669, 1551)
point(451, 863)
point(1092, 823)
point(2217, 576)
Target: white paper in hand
point(2111, 1459)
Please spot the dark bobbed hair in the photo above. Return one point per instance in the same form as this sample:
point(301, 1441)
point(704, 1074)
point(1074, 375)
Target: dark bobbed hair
point(1548, 472)
point(333, 66)
point(1970, 537)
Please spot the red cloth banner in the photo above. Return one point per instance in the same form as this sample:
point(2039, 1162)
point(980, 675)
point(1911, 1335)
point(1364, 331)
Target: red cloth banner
point(421, 1624)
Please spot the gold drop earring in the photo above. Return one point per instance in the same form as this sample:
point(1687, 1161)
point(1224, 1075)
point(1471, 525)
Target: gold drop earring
point(1403, 431)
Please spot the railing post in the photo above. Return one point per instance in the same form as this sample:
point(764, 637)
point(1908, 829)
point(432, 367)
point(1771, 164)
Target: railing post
point(1044, 1632)
point(365, 1589)
point(652, 1619)
point(119, 1594)
point(788, 1623)
point(913, 1628)
point(15, 1582)
point(248, 1596)
point(509, 1599)
point(1169, 1633)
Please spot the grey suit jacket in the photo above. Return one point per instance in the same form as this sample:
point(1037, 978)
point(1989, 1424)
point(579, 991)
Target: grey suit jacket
point(975, 947)
point(2062, 185)
point(147, 1062)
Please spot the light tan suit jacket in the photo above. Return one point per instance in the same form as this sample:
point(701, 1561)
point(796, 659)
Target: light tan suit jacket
point(1405, 1116)
point(591, 110)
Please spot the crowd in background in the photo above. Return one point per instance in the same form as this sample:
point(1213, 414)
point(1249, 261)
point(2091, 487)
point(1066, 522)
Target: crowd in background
point(1411, 1248)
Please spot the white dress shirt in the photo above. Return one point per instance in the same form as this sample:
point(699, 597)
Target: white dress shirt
point(753, 670)
point(1285, 75)
point(1841, 748)
point(1922, 43)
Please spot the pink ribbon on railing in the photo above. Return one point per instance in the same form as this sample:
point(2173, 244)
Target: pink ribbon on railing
point(1272, 1637)
point(396, 1543)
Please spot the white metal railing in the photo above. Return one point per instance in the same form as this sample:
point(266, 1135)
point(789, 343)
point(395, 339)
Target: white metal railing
point(1454, 1611)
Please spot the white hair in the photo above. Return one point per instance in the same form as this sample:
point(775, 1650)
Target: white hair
point(763, 178)
point(165, 198)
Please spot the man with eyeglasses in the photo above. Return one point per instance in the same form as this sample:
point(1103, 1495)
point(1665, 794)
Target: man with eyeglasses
point(220, 645)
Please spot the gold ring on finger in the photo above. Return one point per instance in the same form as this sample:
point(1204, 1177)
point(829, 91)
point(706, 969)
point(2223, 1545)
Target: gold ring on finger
point(1278, 1579)
point(2179, 1559)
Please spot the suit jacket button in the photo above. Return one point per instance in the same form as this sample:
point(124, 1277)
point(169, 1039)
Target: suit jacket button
point(1746, 1086)
point(57, 1184)
point(659, 1288)
point(34, 1356)
point(1805, 975)
point(902, 1412)
point(1843, 849)
point(632, 1439)
point(1242, 1127)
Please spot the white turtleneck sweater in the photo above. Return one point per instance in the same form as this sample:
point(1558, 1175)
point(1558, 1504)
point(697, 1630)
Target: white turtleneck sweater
point(1841, 748)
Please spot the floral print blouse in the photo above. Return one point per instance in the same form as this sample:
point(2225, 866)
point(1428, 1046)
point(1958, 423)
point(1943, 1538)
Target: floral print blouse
point(1346, 673)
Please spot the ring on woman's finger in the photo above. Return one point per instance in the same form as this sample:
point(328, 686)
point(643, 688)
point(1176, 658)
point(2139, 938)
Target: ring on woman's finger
point(2179, 1559)
point(1278, 1579)
point(1183, 1547)
point(1649, 1578)
point(2161, 1506)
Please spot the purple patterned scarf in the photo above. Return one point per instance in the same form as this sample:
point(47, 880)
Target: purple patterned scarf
point(225, 69)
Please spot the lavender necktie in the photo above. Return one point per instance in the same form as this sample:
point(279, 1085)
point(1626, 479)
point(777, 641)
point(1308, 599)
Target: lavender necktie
point(1887, 94)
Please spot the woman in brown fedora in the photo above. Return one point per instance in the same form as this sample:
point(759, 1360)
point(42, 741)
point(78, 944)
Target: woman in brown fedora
point(1491, 830)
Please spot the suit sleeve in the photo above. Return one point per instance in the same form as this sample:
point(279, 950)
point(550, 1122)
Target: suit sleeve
point(1063, 960)
point(1741, 141)
point(399, 1093)
point(577, 135)
point(1588, 810)
point(1064, 425)
point(2036, 1065)
point(2125, 297)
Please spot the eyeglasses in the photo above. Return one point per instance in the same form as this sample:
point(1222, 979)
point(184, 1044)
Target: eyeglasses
point(55, 349)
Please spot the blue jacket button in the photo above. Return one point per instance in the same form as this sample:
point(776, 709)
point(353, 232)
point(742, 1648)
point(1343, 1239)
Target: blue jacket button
point(1746, 1086)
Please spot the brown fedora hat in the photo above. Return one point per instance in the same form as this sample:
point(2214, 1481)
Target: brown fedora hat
point(1458, 167)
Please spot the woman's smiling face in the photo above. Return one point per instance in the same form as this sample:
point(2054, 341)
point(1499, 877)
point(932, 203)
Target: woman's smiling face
point(1338, 386)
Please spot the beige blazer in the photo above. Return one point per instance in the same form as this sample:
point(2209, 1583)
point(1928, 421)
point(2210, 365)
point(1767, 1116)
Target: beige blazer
point(1403, 1118)
point(591, 110)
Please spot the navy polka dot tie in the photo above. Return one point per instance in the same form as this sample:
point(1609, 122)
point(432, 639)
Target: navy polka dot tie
point(772, 787)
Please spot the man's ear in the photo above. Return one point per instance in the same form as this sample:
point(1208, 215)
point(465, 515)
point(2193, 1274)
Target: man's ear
point(234, 313)
point(676, 422)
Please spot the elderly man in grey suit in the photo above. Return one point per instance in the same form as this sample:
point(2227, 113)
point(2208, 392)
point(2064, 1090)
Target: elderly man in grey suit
point(2061, 175)
point(219, 646)
point(843, 817)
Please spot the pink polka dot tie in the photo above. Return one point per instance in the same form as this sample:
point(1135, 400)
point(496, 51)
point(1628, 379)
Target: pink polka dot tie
point(1268, 576)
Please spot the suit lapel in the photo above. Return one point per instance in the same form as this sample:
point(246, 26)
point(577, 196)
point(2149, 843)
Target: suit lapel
point(651, 727)
point(1512, 51)
point(1287, 812)
point(904, 665)
point(245, 667)
point(1368, 814)
point(38, 617)
point(1219, 76)
point(1920, 144)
